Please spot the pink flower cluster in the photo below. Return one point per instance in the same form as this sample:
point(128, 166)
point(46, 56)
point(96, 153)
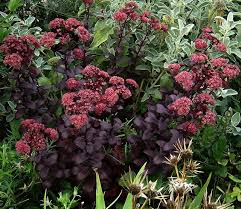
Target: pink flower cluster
point(88, 2)
point(129, 13)
point(217, 45)
point(97, 93)
point(35, 136)
point(18, 50)
point(199, 79)
point(64, 31)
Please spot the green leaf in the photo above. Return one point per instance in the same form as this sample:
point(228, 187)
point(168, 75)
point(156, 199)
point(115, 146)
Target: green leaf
point(237, 52)
point(196, 203)
point(81, 10)
point(128, 202)
point(166, 81)
point(103, 29)
point(221, 171)
point(143, 67)
point(235, 179)
point(10, 117)
point(219, 147)
point(123, 61)
point(29, 21)
point(226, 92)
point(156, 94)
point(235, 120)
point(44, 81)
point(2, 108)
point(100, 200)
point(13, 5)
point(12, 105)
point(145, 97)
point(3, 33)
point(139, 175)
point(230, 17)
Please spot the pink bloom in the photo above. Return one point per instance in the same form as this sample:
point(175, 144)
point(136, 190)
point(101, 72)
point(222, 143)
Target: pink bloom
point(35, 127)
point(215, 82)
point(110, 97)
point(207, 30)
point(103, 74)
point(132, 83)
point(90, 71)
point(13, 60)
point(68, 99)
point(88, 2)
point(65, 39)
point(116, 80)
point(134, 16)
point(27, 122)
point(199, 58)
point(200, 44)
point(174, 68)
point(52, 133)
point(181, 106)
point(185, 79)
point(83, 34)
point(31, 39)
point(79, 120)
point(38, 142)
point(78, 53)
point(22, 147)
point(209, 118)
point(124, 92)
point(164, 27)
point(189, 127)
point(219, 62)
point(71, 83)
point(204, 98)
point(131, 4)
point(100, 108)
point(220, 47)
point(119, 16)
point(48, 39)
point(231, 71)
point(71, 23)
point(56, 23)
point(155, 24)
point(145, 17)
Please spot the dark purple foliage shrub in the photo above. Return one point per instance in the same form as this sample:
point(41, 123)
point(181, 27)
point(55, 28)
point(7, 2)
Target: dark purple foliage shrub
point(32, 100)
point(79, 151)
point(156, 134)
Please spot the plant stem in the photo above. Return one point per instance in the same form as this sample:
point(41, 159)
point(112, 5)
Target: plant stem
point(142, 44)
point(87, 10)
point(121, 36)
point(184, 169)
point(134, 202)
point(177, 172)
point(144, 204)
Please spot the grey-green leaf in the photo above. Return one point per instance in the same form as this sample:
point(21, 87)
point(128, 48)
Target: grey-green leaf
point(103, 30)
point(235, 120)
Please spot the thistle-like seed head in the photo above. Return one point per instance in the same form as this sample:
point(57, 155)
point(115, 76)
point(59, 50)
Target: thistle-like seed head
point(193, 167)
point(172, 160)
point(183, 149)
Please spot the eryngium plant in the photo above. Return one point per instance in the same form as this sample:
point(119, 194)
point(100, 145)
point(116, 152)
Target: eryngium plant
point(178, 193)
